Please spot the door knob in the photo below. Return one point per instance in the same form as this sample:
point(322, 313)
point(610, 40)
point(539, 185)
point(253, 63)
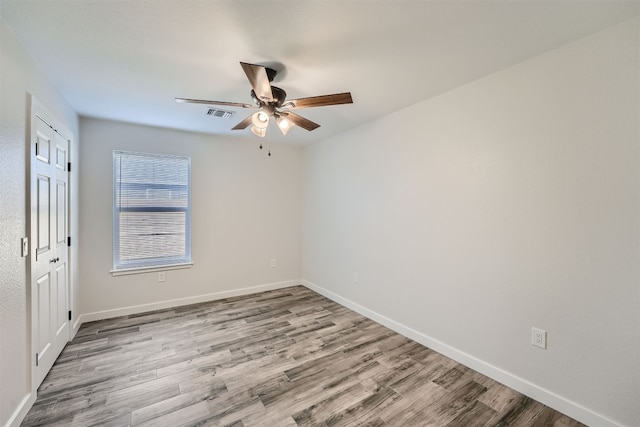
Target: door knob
point(54, 259)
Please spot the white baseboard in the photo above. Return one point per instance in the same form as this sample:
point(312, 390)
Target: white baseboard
point(521, 385)
point(21, 411)
point(75, 327)
point(136, 309)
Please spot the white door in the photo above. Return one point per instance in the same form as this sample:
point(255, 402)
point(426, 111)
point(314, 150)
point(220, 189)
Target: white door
point(49, 254)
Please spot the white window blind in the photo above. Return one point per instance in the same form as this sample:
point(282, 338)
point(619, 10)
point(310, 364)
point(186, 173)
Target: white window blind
point(151, 210)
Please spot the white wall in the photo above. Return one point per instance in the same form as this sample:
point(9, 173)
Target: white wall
point(246, 209)
point(511, 202)
point(20, 75)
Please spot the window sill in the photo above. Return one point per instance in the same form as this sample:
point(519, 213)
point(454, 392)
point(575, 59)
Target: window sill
point(139, 270)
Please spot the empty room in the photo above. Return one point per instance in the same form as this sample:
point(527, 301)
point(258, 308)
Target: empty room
point(319, 213)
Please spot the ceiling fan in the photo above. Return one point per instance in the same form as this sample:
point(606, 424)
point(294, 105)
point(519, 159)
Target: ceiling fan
point(271, 102)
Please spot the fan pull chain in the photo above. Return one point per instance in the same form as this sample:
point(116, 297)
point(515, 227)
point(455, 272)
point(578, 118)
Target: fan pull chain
point(269, 141)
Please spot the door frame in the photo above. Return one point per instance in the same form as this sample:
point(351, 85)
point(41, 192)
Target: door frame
point(35, 110)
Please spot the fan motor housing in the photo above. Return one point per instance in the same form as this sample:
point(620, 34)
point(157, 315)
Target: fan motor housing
point(279, 95)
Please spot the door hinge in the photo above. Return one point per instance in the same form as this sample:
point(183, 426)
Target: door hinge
point(69, 167)
point(69, 241)
point(36, 359)
point(69, 314)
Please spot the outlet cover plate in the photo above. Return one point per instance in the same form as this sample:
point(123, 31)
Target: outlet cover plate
point(539, 338)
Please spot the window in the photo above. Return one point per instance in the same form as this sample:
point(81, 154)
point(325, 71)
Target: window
point(151, 211)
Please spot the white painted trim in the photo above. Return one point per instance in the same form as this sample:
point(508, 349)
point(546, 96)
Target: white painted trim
point(136, 309)
point(139, 270)
point(21, 411)
point(75, 328)
point(521, 385)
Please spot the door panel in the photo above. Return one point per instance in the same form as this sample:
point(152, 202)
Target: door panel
point(61, 318)
point(43, 211)
point(61, 213)
point(61, 158)
point(43, 289)
point(43, 144)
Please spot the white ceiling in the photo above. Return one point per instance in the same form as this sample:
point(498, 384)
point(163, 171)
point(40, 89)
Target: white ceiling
point(127, 59)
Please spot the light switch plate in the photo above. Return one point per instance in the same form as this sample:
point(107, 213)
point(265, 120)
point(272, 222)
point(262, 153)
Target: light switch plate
point(25, 246)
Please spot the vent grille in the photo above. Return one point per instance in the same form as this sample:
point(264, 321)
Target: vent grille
point(223, 114)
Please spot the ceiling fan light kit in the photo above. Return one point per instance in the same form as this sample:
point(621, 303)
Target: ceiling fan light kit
point(270, 99)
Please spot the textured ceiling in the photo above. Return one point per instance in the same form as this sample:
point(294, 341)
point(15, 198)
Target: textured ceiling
point(127, 60)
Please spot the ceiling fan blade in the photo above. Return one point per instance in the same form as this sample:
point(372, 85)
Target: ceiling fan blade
point(257, 75)
point(243, 124)
point(322, 100)
point(300, 121)
point(207, 102)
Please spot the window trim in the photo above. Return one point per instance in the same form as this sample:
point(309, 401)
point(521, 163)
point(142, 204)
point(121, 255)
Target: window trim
point(139, 270)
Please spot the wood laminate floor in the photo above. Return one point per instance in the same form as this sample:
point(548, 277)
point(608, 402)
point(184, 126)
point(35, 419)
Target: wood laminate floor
point(286, 358)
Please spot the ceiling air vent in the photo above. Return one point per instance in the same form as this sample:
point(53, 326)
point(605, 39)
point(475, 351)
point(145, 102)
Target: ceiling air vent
point(223, 114)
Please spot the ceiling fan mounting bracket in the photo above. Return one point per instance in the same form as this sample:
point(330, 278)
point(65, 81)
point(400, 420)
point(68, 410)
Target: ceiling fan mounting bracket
point(271, 73)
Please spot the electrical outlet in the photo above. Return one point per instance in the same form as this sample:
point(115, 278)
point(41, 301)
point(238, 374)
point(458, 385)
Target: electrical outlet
point(273, 263)
point(161, 276)
point(356, 278)
point(539, 338)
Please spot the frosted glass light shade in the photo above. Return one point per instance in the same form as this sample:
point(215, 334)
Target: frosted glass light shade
point(260, 120)
point(261, 132)
point(284, 124)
